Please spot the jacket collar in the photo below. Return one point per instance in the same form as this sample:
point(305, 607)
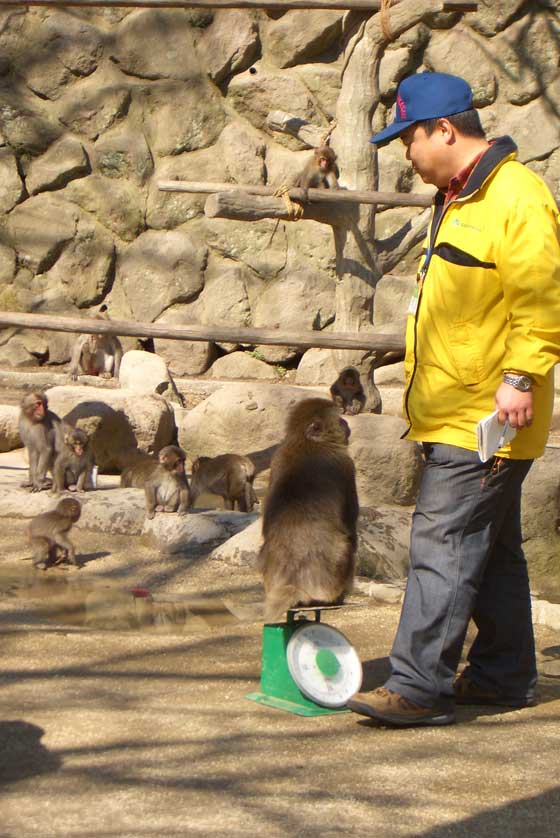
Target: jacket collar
point(499, 151)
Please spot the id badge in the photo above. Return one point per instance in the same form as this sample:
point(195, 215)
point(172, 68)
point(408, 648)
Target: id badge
point(413, 305)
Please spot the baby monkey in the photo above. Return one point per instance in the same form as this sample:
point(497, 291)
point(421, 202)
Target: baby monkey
point(48, 534)
point(347, 392)
point(321, 172)
point(74, 463)
point(167, 487)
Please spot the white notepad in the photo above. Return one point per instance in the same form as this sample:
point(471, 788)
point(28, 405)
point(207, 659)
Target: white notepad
point(491, 435)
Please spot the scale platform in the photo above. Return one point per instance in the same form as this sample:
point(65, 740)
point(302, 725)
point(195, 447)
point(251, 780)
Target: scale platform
point(308, 667)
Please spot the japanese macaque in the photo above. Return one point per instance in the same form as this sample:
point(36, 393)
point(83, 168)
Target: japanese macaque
point(167, 487)
point(96, 354)
point(310, 513)
point(228, 475)
point(40, 431)
point(321, 172)
point(48, 534)
point(137, 468)
point(74, 462)
point(347, 392)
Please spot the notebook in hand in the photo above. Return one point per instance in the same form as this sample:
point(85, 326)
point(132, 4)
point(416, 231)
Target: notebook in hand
point(491, 435)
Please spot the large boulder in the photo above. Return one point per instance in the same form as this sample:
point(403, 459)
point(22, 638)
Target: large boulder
point(9, 433)
point(128, 422)
point(143, 372)
point(62, 162)
point(11, 185)
point(184, 357)
point(241, 419)
point(161, 268)
point(298, 37)
point(55, 218)
point(189, 533)
point(388, 469)
point(229, 44)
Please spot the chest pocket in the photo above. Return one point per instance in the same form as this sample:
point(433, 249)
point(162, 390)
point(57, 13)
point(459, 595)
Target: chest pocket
point(465, 352)
point(451, 253)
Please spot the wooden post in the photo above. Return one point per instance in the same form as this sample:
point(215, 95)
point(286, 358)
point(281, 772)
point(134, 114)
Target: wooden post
point(327, 196)
point(373, 340)
point(359, 5)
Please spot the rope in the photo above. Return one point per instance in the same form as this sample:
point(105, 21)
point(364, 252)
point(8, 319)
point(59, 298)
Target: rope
point(326, 136)
point(385, 22)
point(294, 210)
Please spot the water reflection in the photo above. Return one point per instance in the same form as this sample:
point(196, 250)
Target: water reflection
point(29, 597)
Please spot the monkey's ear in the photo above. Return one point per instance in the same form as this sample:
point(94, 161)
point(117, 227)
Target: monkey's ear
point(315, 429)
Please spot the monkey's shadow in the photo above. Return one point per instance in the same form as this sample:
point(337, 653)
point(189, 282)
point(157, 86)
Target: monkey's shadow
point(375, 673)
point(85, 558)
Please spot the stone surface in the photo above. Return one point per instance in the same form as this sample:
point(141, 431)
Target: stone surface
point(159, 269)
point(242, 419)
point(383, 543)
point(117, 204)
point(240, 550)
point(95, 104)
point(317, 366)
point(388, 468)
point(57, 219)
point(392, 297)
point(173, 533)
point(229, 44)
point(298, 37)
point(184, 357)
point(122, 152)
point(127, 422)
point(181, 116)
point(143, 372)
point(9, 434)
point(65, 160)
point(12, 189)
point(460, 52)
point(242, 365)
point(156, 44)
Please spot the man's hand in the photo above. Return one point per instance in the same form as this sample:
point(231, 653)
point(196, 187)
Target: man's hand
point(514, 405)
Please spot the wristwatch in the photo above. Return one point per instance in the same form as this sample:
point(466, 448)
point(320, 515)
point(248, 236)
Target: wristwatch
point(520, 382)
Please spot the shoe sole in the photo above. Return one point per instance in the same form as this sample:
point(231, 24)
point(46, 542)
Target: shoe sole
point(516, 703)
point(399, 721)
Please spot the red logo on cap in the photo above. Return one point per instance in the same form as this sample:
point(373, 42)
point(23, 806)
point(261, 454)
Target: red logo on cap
point(402, 107)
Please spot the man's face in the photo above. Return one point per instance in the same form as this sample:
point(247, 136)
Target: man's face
point(428, 154)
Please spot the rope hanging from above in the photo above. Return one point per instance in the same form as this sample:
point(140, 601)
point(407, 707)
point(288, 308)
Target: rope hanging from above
point(385, 22)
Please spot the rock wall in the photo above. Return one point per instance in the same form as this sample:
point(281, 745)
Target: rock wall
point(97, 106)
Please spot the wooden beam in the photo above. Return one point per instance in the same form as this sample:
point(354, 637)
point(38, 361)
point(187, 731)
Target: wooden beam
point(334, 196)
point(360, 5)
point(374, 340)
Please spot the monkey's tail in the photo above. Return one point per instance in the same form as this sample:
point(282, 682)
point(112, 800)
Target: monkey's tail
point(278, 602)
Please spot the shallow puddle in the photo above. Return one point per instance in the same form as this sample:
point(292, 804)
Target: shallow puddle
point(31, 596)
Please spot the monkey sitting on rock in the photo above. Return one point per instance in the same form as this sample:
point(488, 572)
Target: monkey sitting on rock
point(163, 479)
point(310, 513)
point(347, 392)
point(229, 475)
point(48, 534)
point(73, 465)
point(96, 354)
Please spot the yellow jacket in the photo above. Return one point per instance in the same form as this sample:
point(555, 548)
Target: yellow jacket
point(487, 301)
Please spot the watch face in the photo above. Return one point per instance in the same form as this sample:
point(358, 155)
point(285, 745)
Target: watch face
point(520, 382)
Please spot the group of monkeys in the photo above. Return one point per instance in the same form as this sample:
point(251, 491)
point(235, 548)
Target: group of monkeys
point(310, 512)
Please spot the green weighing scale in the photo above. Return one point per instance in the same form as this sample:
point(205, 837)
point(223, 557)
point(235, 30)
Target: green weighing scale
point(308, 667)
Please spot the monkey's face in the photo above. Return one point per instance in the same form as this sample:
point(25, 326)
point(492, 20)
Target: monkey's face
point(77, 443)
point(171, 460)
point(34, 407)
point(324, 164)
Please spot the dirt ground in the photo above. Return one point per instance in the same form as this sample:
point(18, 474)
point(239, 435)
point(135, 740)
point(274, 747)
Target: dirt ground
point(131, 732)
point(125, 715)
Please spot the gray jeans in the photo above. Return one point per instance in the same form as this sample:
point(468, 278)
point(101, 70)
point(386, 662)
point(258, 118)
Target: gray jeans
point(466, 561)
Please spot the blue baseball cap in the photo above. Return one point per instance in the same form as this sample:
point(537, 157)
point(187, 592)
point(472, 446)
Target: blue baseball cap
point(426, 96)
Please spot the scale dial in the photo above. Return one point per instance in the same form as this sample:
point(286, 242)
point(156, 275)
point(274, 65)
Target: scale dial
point(323, 664)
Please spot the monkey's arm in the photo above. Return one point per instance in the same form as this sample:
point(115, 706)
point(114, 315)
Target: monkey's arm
point(118, 357)
point(184, 500)
point(77, 355)
point(150, 492)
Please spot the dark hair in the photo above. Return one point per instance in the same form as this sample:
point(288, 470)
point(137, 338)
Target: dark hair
point(466, 122)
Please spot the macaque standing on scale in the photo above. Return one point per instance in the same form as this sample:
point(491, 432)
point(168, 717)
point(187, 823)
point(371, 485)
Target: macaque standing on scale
point(310, 513)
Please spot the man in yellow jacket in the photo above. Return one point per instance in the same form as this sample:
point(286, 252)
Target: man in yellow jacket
point(483, 334)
